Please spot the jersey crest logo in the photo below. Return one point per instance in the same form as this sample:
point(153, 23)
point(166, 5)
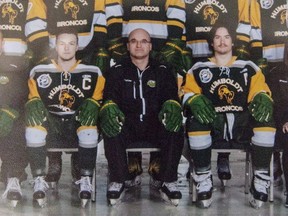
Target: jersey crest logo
point(266, 4)
point(205, 75)
point(151, 83)
point(66, 99)
point(225, 93)
point(211, 13)
point(7, 10)
point(44, 81)
point(69, 5)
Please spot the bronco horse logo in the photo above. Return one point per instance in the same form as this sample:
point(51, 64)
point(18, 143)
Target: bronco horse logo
point(224, 92)
point(69, 5)
point(66, 99)
point(283, 16)
point(210, 12)
point(7, 9)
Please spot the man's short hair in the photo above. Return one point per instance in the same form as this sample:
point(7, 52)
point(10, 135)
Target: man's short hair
point(231, 30)
point(67, 30)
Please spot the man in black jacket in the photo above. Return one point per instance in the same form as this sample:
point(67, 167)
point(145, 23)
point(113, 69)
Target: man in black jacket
point(141, 105)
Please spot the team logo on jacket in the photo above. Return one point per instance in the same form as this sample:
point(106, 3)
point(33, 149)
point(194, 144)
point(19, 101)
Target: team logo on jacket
point(151, 83)
point(10, 12)
point(4, 80)
point(205, 75)
point(44, 81)
point(209, 12)
point(225, 93)
point(70, 6)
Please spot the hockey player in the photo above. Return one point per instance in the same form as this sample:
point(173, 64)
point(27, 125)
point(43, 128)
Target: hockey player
point(13, 73)
point(164, 21)
point(62, 109)
point(95, 21)
point(201, 16)
point(277, 79)
point(141, 105)
point(224, 89)
point(268, 35)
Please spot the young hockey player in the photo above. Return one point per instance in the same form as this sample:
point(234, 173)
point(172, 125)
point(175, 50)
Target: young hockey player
point(230, 92)
point(62, 110)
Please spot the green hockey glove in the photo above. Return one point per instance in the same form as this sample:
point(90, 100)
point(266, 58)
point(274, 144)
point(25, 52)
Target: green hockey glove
point(263, 65)
point(111, 119)
point(202, 108)
point(88, 112)
point(117, 49)
point(102, 59)
point(242, 51)
point(171, 52)
point(36, 113)
point(261, 107)
point(171, 115)
point(7, 118)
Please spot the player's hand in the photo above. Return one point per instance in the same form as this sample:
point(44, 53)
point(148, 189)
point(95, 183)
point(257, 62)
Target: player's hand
point(35, 112)
point(171, 115)
point(261, 107)
point(111, 119)
point(7, 118)
point(201, 108)
point(88, 112)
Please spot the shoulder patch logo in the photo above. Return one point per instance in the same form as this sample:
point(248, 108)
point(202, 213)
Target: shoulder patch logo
point(44, 81)
point(266, 4)
point(205, 75)
point(151, 83)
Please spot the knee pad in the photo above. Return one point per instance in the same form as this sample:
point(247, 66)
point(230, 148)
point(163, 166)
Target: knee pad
point(264, 137)
point(35, 136)
point(199, 140)
point(88, 136)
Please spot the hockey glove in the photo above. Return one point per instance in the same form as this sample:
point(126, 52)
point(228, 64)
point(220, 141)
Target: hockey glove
point(88, 112)
point(261, 107)
point(263, 65)
point(171, 52)
point(202, 108)
point(171, 116)
point(36, 113)
point(111, 119)
point(7, 118)
point(242, 52)
point(117, 49)
point(102, 59)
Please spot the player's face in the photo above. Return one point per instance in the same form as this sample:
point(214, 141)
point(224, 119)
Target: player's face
point(222, 41)
point(139, 44)
point(66, 46)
